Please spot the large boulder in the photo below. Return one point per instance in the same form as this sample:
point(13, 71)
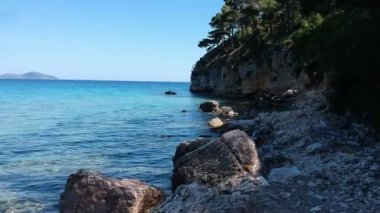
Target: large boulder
point(209, 106)
point(92, 192)
point(214, 161)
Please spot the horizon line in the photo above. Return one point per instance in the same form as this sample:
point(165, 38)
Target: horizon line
point(59, 79)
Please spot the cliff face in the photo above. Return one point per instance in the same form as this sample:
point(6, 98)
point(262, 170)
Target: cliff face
point(238, 76)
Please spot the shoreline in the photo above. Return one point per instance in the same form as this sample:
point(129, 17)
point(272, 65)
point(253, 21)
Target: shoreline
point(294, 166)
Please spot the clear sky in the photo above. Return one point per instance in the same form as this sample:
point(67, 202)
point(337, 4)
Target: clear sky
point(152, 40)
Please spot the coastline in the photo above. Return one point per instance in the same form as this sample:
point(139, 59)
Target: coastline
point(304, 168)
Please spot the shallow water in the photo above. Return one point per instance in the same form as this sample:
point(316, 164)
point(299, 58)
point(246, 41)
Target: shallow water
point(50, 129)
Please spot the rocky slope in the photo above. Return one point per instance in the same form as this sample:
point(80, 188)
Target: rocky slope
point(312, 161)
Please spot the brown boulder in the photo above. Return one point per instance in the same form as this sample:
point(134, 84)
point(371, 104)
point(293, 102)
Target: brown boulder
point(91, 192)
point(215, 161)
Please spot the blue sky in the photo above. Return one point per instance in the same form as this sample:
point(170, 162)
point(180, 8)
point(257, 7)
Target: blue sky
point(152, 40)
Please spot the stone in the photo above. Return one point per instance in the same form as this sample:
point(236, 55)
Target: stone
point(214, 161)
point(184, 111)
point(92, 192)
point(232, 114)
point(315, 147)
point(225, 110)
point(316, 209)
point(209, 106)
point(215, 123)
point(290, 93)
point(283, 174)
point(169, 92)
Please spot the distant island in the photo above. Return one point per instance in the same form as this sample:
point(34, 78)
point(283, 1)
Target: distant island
point(28, 76)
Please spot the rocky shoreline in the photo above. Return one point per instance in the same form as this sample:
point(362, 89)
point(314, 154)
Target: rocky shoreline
point(302, 159)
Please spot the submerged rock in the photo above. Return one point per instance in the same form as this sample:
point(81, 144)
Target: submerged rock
point(92, 192)
point(170, 93)
point(214, 161)
point(209, 106)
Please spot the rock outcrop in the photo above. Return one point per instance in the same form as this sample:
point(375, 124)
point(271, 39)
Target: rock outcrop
point(219, 175)
point(215, 161)
point(225, 75)
point(224, 112)
point(92, 192)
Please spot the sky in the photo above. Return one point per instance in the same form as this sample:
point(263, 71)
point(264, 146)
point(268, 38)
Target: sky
point(150, 40)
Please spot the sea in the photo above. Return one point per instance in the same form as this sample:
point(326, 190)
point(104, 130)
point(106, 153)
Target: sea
point(51, 129)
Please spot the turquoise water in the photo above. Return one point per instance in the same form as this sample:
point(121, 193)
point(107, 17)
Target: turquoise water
point(50, 129)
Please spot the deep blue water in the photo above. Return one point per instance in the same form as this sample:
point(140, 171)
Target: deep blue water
point(50, 129)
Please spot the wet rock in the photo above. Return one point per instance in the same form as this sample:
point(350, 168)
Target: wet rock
point(283, 174)
point(209, 106)
point(170, 93)
point(184, 111)
point(214, 161)
point(92, 192)
point(215, 123)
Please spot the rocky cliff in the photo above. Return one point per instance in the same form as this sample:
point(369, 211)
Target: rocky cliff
point(238, 74)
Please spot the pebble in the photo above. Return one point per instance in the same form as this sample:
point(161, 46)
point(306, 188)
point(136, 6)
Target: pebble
point(286, 194)
point(316, 209)
point(313, 148)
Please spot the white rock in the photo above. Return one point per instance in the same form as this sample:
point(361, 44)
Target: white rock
point(215, 123)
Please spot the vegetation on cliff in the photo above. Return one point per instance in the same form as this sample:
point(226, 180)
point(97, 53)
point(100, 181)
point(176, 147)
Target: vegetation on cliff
point(334, 41)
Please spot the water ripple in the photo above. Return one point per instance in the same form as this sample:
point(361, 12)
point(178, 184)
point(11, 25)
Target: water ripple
point(123, 129)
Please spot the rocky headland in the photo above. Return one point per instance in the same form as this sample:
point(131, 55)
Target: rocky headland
point(28, 76)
